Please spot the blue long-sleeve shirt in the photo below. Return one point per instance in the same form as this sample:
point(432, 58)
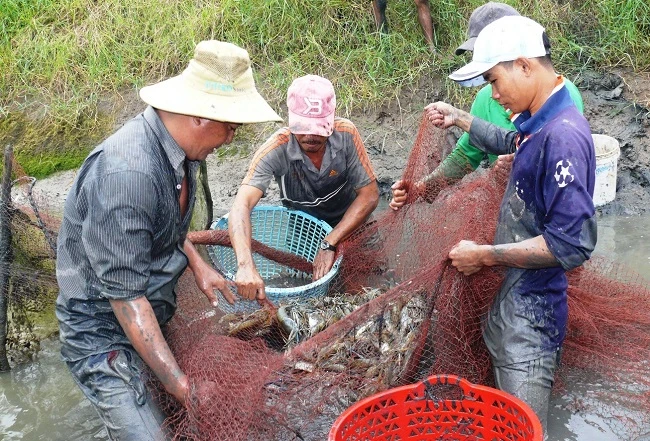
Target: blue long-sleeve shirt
point(549, 193)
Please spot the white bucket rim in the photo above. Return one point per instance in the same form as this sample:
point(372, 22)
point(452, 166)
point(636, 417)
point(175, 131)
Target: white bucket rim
point(606, 146)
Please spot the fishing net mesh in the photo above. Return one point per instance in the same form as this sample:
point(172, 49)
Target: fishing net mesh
point(28, 269)
point(396, 313)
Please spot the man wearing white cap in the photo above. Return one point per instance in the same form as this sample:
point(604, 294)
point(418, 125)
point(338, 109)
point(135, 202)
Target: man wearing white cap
point(122, 246)
point(546, 221)
point(321, 167)
point(465, 157)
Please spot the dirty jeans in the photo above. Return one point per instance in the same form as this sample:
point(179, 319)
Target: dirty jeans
point(530, 381)
point(113, 383)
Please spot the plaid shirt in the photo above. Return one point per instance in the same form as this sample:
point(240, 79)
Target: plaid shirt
point(122, 235)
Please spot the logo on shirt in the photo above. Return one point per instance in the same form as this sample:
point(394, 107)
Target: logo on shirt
point(314, 106)
point(333, 173)
point(563, 174)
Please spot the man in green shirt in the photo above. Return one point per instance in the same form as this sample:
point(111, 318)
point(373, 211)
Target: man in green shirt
point(465, 158)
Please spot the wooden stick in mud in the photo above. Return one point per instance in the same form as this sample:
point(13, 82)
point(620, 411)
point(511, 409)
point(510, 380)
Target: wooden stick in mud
point(221, 237)
point(5, 254)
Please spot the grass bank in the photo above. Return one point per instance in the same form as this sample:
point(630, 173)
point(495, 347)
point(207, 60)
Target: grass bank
point(67, 63)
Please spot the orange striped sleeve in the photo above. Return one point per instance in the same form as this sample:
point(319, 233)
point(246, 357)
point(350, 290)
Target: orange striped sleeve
point(345, 125)
point(276, 140)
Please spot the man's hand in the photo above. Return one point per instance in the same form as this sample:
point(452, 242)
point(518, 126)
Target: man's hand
point(208, 279)
point(323, 263)
point(503, 164)
point(400, 191)
point(203, 396)
point(467, 257)
point(249, 283)
point(444, 115)
point(400, 194)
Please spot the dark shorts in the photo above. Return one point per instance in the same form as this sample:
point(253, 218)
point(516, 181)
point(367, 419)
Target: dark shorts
point(114, 384)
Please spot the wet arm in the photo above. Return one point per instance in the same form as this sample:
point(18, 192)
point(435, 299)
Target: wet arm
point(141, 327)
point(356, 214)
point(491, 138)
point(362, 206)
point(239, 223)
point(248, 280)
point(531, 254)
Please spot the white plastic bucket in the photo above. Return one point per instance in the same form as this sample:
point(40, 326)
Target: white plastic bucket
point(607, 153)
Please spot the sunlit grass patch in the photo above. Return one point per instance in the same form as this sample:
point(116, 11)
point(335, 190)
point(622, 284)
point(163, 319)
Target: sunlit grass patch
point(60, 57)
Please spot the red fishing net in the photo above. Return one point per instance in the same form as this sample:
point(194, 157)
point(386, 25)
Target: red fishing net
point(399, 314)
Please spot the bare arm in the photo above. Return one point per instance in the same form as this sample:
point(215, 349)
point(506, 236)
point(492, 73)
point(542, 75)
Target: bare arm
point(356, 214)
point(469, 257)
point(249, 283)
point(445, 115)
point(206, 277)
point(364, 204)
point(141, 328)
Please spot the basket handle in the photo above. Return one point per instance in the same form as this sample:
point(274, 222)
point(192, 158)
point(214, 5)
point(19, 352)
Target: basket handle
point(454, 380)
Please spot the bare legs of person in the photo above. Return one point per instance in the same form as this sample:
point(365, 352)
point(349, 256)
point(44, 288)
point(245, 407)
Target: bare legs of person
point(424, 17)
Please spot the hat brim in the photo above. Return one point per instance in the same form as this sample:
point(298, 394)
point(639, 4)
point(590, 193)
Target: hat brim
point(467, 46)
point(471, 70)
point(302, 125)
point(174, 95)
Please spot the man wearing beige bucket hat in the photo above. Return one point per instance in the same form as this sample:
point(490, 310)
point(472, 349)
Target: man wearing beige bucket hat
point(122, 247)
point(321, 167)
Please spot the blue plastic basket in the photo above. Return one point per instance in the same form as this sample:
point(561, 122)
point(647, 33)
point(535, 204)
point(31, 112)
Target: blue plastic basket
point(287, 230)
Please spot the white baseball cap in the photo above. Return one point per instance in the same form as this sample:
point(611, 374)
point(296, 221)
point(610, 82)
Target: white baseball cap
point(505, 39)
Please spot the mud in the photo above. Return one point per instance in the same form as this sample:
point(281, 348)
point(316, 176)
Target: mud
point(616, 104)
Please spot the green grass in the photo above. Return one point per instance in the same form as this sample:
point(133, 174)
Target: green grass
point(63, 58)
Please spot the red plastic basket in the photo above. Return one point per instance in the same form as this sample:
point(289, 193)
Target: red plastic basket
point(442, 407)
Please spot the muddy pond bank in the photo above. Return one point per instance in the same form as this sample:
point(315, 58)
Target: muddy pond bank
point(616, 104)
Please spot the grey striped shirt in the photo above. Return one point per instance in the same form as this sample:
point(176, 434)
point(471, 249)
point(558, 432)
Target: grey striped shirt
point(122, 234)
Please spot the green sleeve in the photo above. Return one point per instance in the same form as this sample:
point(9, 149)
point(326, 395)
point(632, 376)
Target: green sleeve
point(465, 155)
point(490, 110)
point(575, 95)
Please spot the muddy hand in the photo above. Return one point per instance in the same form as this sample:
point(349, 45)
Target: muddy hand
point(249, 283)
point(400, 194)
point(503, 164)
point(466, 257)
point(266, 303)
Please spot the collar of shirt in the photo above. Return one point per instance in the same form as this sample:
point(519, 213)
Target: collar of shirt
point(174, 152)
point(559, 99)
point(295, 153)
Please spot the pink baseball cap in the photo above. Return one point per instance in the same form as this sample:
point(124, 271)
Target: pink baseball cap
point(311, 102)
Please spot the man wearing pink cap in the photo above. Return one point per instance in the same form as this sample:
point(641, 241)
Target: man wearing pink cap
point(321, 167)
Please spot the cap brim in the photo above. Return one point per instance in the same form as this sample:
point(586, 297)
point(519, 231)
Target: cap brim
point(174, 95)
point(302, 125)
point(467, 46)
point(471, 70)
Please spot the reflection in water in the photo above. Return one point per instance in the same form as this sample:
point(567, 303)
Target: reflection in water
point(39, 401)
point(623, 240)
point(626, 240)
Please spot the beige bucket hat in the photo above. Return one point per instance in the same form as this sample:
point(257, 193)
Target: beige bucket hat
point(217, 84)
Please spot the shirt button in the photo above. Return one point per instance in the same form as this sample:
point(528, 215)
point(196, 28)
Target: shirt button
point(178, 187)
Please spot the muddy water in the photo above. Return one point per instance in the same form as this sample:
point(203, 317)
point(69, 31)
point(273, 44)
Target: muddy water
point(39, 401)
